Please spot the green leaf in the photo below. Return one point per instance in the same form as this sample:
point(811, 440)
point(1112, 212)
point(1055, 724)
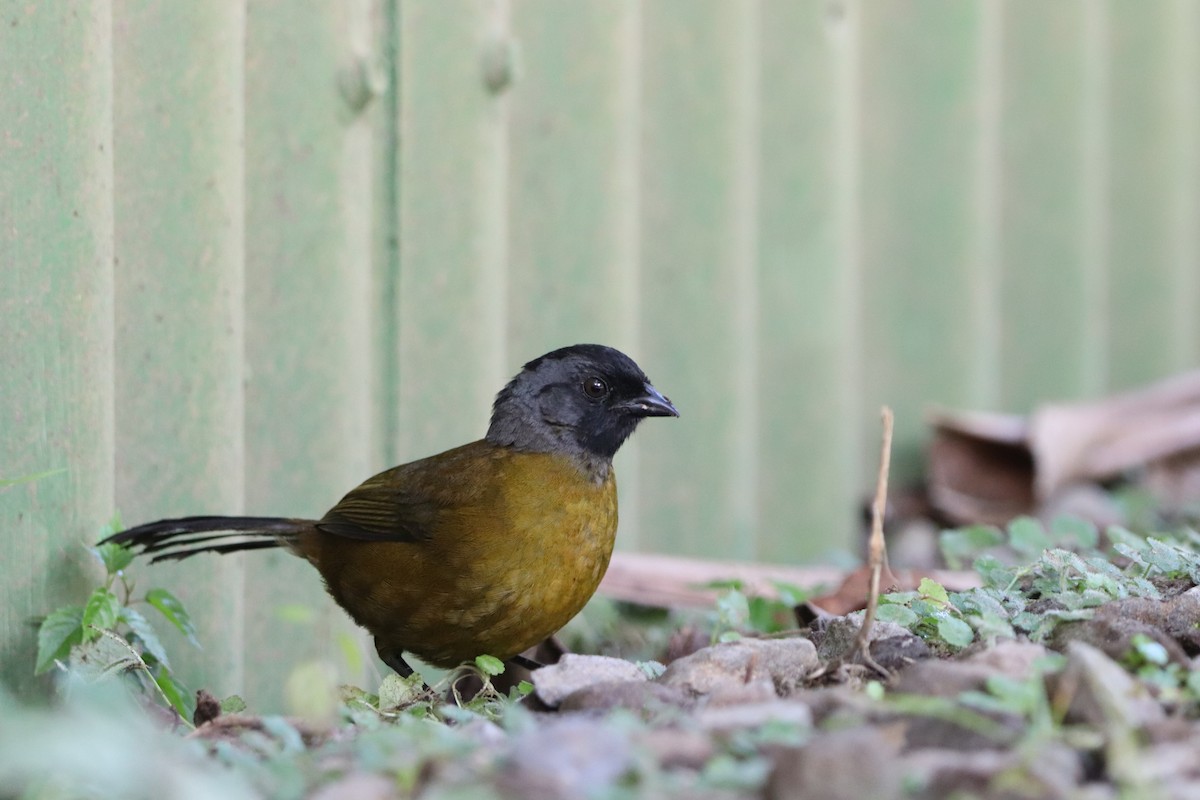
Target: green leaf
point(61, 630)
point(1165, 557)
point(1068, 531)
point(1150, 651)
point(145, 634)
point(114, 525)
point(169, 606)
point(932, 590)
point(1027, 537)
point(954, 632)
point(397, 692)
point(103, 657)
point(901, 615)
point(113, 556)
point(961, 546)
point(102, 610)
point(733, 609)
point(790, 594)
point(489, 665)
point(233, 705)
point(175, 692)
point(1123, 536)
point(765, 613)
point(652, 669)
point(524, 688)
point(994, 574)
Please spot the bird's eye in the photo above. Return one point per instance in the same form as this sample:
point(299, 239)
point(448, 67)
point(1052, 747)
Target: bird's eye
point(595, 387)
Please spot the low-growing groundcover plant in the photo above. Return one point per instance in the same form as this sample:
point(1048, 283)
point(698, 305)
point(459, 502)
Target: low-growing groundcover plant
point(108, 633)
point(1034, 579)
point(407, 740)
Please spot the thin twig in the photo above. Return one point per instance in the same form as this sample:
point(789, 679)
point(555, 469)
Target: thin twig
point(876, 548)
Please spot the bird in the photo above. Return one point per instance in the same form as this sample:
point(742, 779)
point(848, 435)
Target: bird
point(487, 548)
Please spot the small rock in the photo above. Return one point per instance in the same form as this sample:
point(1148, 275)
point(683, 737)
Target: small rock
point(1010, 657)
point(1102, 692)
point(358, 786)
point(686, 641)
point(678, 748)
point(1112, 633)
point(482, 731)
point(642, 696)
point(753, 715)
point(983, 730)
point(838, 701)
point(894, 653)
point(837, 636)
point(842, 765)
point(783, 663)
point(942, 678)
point(761, 690)
point(555, 682)
point(569, 757)
point(1182, 613)
point(1050, 771)
point(948, 679)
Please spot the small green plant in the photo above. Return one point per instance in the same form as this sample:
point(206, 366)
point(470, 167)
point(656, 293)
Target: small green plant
point(1175, 684)
point(737, 610)
point(1034, 579)
point(929, 613)
point(108, 634)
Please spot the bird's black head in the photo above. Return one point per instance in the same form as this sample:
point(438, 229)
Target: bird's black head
point(581, 401)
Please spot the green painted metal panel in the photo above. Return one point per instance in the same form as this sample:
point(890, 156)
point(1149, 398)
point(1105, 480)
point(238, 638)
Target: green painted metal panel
point(56, 299)
point(450, 349)
point(1051, 282)
point(572, 191)
point(919, 123)
point(1143, 173)
point(689, 273)
point(808, 472)
point(179, 299)
point(313, 420)
point(788, 212)
point(1183, 121)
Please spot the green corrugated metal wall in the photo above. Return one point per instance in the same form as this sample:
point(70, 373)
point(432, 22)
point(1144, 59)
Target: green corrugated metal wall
point(251, 252)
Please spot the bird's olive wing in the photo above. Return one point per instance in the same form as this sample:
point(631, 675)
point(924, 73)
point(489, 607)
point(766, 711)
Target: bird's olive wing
point(405, 503)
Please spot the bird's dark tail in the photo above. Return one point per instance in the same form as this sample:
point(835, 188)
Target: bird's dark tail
point(173, 539)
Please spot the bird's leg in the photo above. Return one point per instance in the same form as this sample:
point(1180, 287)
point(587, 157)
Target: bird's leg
point(526, 662)
point(393, 658)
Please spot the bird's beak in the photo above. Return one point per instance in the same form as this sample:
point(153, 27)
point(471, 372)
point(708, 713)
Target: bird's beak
point(650, 404)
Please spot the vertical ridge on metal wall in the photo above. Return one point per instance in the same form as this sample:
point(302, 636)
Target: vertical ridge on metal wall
point(1183, 123)
point(806, 272)
point(314, 84)
point(56, 312)
point(1144, 170)
point(573, 187)
point(180, 293)
point(744, 426)
point(919, 84)
point(388, 231)
point(688, 203)
point(1051, 338)
point(455, 65)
